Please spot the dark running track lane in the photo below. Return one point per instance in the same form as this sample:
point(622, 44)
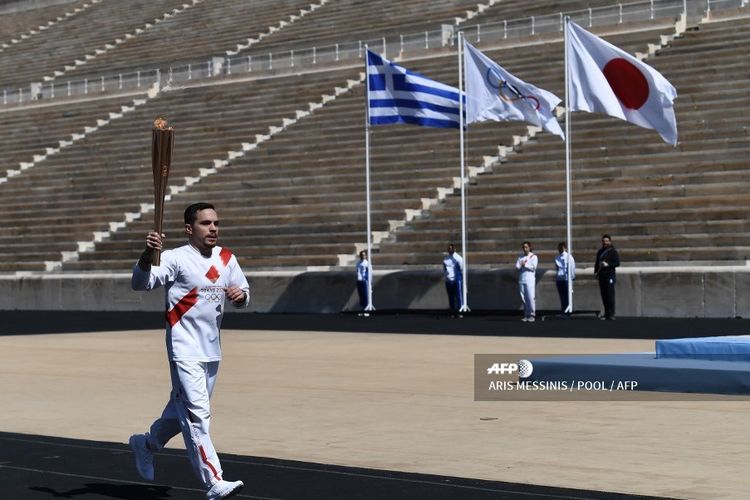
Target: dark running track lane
point(41, 467)
point(491, 323)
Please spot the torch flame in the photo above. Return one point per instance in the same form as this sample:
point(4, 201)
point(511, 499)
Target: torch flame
point(161, 124)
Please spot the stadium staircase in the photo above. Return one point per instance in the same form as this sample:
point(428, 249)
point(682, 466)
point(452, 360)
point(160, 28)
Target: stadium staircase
point(72, 39)
point(18, 24)
point(282, 157)
point(198, 34)
point(661, 204)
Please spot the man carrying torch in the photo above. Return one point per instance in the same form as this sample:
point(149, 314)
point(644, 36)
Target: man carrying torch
point(198, 277)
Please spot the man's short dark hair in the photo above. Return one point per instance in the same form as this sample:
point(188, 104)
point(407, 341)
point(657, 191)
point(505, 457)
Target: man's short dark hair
point(191, 212)
point(606, 236)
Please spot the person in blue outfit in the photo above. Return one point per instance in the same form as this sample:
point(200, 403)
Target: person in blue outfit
point(363, 281)
point(453, 266)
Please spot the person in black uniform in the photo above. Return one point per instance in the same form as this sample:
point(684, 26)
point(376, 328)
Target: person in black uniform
point(607, 259)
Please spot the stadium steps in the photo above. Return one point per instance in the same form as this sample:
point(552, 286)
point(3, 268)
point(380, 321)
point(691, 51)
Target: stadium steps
point(655, 242)
point(622, 175)
point(28, 132)
point(297, 199)
point(349, 20)
point(194, 36)
point(23, 22)
point(112, 196)
point(507, 258)
point(520, 229)
point(250, 261)
point(53, 49)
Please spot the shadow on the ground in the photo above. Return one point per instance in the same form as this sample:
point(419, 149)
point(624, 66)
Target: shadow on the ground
point(124, 491)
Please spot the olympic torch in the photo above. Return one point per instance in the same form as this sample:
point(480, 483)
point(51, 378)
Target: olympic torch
point(161, 157)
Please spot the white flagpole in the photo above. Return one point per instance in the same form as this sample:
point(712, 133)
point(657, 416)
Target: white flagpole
point(369, 307)
point(465, 305)
point(568, 197)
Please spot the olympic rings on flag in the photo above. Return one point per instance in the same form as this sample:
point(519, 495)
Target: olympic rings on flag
point(507, 91)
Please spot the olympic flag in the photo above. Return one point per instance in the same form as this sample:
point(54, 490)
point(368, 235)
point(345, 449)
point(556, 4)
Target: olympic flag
point(397, 95)
point(494, 94)
point(606, 79)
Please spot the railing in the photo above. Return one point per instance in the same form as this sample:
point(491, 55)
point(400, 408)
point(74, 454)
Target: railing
point(255, 62)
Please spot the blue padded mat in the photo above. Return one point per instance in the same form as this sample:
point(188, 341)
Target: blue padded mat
point(651, 373)
point(726, 348)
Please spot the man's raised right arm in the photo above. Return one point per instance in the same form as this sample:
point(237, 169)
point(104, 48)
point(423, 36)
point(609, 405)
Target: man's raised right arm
point(143, 278)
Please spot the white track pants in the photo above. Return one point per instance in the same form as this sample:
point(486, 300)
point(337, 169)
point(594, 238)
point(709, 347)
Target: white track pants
point(189, 411)
point(528, 299)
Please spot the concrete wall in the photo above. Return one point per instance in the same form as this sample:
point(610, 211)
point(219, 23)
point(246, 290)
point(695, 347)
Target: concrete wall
point(653, 292)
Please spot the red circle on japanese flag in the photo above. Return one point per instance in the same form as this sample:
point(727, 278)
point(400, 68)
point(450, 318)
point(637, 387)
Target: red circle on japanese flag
point(627, 82)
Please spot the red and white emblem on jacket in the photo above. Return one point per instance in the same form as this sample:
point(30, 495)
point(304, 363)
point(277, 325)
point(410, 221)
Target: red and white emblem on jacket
point(213, 274)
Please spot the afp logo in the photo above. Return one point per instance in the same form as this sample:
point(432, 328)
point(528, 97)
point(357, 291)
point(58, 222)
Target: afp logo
point(524, 367)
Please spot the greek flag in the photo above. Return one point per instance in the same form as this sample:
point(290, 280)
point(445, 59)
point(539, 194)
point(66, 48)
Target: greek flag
point(397, 95)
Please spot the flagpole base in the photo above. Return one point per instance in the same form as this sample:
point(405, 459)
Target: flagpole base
point(464, 309)
point(370, 308)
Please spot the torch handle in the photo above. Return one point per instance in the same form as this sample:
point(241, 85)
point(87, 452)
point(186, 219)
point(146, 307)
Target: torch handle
point(163, 141)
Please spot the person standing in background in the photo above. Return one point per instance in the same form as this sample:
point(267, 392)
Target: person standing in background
point(526, 265)
point(363, 282)
point(607, 259)
point(566, 270)
point(453, 266)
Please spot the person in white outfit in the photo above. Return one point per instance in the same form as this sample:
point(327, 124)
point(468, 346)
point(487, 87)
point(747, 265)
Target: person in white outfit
point(526, 265)
point(453, 265)
point(198, 278)
point(566, 270)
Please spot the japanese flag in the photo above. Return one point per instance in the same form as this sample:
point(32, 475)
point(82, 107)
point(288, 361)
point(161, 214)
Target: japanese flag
point(605, 79)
